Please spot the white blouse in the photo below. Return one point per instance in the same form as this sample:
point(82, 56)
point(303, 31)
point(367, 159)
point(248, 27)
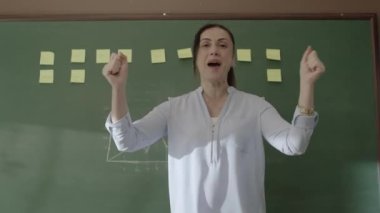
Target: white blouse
point(215, 165)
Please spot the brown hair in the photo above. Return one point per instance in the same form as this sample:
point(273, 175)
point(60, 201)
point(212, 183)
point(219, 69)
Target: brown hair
point(231, 75)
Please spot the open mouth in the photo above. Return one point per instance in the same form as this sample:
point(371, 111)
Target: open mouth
point(213, 64)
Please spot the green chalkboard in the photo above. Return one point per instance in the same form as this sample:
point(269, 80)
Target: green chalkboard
point(56, 156)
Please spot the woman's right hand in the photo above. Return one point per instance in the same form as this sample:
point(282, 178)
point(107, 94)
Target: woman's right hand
point(116, 70)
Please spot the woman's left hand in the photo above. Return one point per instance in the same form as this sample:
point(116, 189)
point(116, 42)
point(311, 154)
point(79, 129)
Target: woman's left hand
point(311, 67)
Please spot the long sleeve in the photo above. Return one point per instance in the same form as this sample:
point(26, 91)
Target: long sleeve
point(132, 136)
point(290, 139)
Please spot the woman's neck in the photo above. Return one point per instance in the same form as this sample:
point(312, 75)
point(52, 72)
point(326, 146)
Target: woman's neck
point(214, 95)
point(214, 90)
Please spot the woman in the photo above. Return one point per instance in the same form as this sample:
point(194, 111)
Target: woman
point(215, 133)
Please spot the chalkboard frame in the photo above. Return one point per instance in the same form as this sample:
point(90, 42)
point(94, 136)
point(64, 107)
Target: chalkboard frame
point(371, 17)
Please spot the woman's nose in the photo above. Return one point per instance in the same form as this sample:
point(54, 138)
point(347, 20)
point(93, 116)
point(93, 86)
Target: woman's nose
point(214, 50)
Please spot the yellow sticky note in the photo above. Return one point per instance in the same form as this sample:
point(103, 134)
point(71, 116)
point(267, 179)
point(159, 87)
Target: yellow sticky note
point(244, 55)
point(103, 56)
point(184, 53)
point(77, 76)
point(274, 75)
point(46, 58)
point(78, 55)
point(46, 77)
point(128, 53)
point(158, 56)
point(273, 54)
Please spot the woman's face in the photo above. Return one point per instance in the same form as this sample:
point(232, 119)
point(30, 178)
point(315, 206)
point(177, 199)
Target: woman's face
point(215, 55)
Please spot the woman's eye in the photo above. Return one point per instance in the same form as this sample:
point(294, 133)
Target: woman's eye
point(205, 45)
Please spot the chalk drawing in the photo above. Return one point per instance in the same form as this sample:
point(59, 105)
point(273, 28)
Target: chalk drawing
point(118, 157)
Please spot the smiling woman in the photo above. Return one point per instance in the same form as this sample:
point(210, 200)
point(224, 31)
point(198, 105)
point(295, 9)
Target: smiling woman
point(215, 133)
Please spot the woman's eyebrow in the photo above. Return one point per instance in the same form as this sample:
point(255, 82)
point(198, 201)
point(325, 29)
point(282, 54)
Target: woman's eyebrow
point(223, 39)
point(205, 39)
point(208, 39)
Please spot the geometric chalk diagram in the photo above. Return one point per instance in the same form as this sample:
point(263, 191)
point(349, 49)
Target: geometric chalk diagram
point(153, 154)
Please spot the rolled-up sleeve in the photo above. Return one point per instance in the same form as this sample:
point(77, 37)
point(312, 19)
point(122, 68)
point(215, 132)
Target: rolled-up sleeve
point(132, 136)
point(118, 130)
point(305, 121)
point(289, 138)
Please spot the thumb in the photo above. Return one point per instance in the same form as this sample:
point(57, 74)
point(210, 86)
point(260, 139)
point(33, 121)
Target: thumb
point(124, 61)
point(306, 54)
